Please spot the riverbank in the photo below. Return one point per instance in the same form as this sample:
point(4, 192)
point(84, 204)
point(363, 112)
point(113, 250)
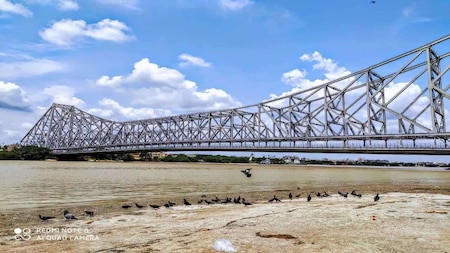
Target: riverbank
point(411, 214)
point(405, 218)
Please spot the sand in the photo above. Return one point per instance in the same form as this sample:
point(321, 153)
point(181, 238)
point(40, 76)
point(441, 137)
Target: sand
point(412, 220)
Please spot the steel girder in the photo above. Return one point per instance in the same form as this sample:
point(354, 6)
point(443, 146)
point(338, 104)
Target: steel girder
point(396, 105)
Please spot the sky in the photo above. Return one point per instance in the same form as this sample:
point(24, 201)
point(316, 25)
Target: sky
point(138, 59)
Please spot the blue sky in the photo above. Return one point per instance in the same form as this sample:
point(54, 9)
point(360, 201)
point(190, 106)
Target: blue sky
point(139, 59)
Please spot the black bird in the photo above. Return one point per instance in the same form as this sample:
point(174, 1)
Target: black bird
point(186, 202)
point(45, 218)
point(170, 203)
point(318, 195)
point(208, 202)
point(215, 199)
point(200, 201)
point(89, 213)
point(69, 216)
point(376, 198)
point(325, 194)
point(290, 196)
point(246, 203)
point(138, 206)
point(345, 195)
point(274, 199)
point(356, 194)
point(154, 206)
point(226, 200)
point(247, 172)
point(298, 195)
point(126, 206)
point(309, 197)
point(167, 205)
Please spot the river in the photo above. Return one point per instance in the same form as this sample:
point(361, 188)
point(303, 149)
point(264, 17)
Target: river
point(35, 184)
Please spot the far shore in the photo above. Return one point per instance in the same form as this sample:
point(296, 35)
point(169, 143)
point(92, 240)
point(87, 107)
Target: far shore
point(257, 165)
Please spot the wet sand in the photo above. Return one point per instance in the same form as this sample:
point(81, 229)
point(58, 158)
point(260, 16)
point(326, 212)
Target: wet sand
point(407, 218)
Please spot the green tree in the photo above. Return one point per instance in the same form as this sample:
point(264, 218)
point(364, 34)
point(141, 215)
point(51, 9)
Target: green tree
point(33, 152)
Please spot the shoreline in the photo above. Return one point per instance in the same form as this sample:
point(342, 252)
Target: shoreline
point(325, 224)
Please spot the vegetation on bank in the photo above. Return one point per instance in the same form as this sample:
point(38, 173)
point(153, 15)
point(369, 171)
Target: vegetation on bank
point(26, 153)
point(38, 153)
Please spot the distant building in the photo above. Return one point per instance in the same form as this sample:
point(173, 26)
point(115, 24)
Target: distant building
point(158, 155)
point(291, 159)
point(266, 161)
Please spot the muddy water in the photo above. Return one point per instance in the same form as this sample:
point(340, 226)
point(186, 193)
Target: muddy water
point(25, 184)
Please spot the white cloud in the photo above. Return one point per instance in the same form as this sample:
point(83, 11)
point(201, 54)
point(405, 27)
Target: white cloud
point(66, 32)
point(234, 4)
point(293, 77)
point(165, 88)
point(68, 5)
point(128, 4)
point(63, 95)
point(116, 111)
point(12, 96)
point(34, 67)
point(19, 9)
point(332, 70)
point(189, 60)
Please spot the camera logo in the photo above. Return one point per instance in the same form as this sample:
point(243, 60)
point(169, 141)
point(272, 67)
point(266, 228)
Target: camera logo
point(22, 234)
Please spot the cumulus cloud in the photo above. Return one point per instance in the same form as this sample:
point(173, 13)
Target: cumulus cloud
point(67, 5)
point(128, 4)
point(234, 5)
point(187, 60)
point(299, 81)
point(63, 95)
point(331, 68)
point(7, 6)
point(165, 88)
point(34, 67)
point(115, 111)
point(66, 32)
point(293, 77)
point(13, 97)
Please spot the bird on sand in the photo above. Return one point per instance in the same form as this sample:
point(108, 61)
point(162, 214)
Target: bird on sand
point(290, 196)
point(126, 206)
point(274, 199)
point(246, 203)
point(345, 195)
point(247, 172)
point(186, 202)
point(138, 206)
point(154, 206)
point(376, 198)
point(89, 213)
point(45, 218)
point(68, 215)
point(309, 197)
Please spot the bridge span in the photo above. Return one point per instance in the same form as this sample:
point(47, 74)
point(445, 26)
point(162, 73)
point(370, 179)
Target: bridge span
point(397, 106)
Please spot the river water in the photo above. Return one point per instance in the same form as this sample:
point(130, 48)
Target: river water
point(35, 184)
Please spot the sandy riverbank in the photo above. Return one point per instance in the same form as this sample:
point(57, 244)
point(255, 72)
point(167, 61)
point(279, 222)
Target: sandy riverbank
point(411, 220)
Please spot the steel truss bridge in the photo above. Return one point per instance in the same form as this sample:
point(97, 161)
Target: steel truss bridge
point(393, 107)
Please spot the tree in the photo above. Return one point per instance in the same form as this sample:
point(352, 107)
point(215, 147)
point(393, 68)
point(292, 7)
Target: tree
point(33, 152)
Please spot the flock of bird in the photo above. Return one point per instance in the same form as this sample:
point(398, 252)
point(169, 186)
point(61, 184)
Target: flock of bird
point(237, 200)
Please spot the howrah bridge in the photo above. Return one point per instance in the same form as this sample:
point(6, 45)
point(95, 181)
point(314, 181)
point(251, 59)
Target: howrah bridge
point(393, 107)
